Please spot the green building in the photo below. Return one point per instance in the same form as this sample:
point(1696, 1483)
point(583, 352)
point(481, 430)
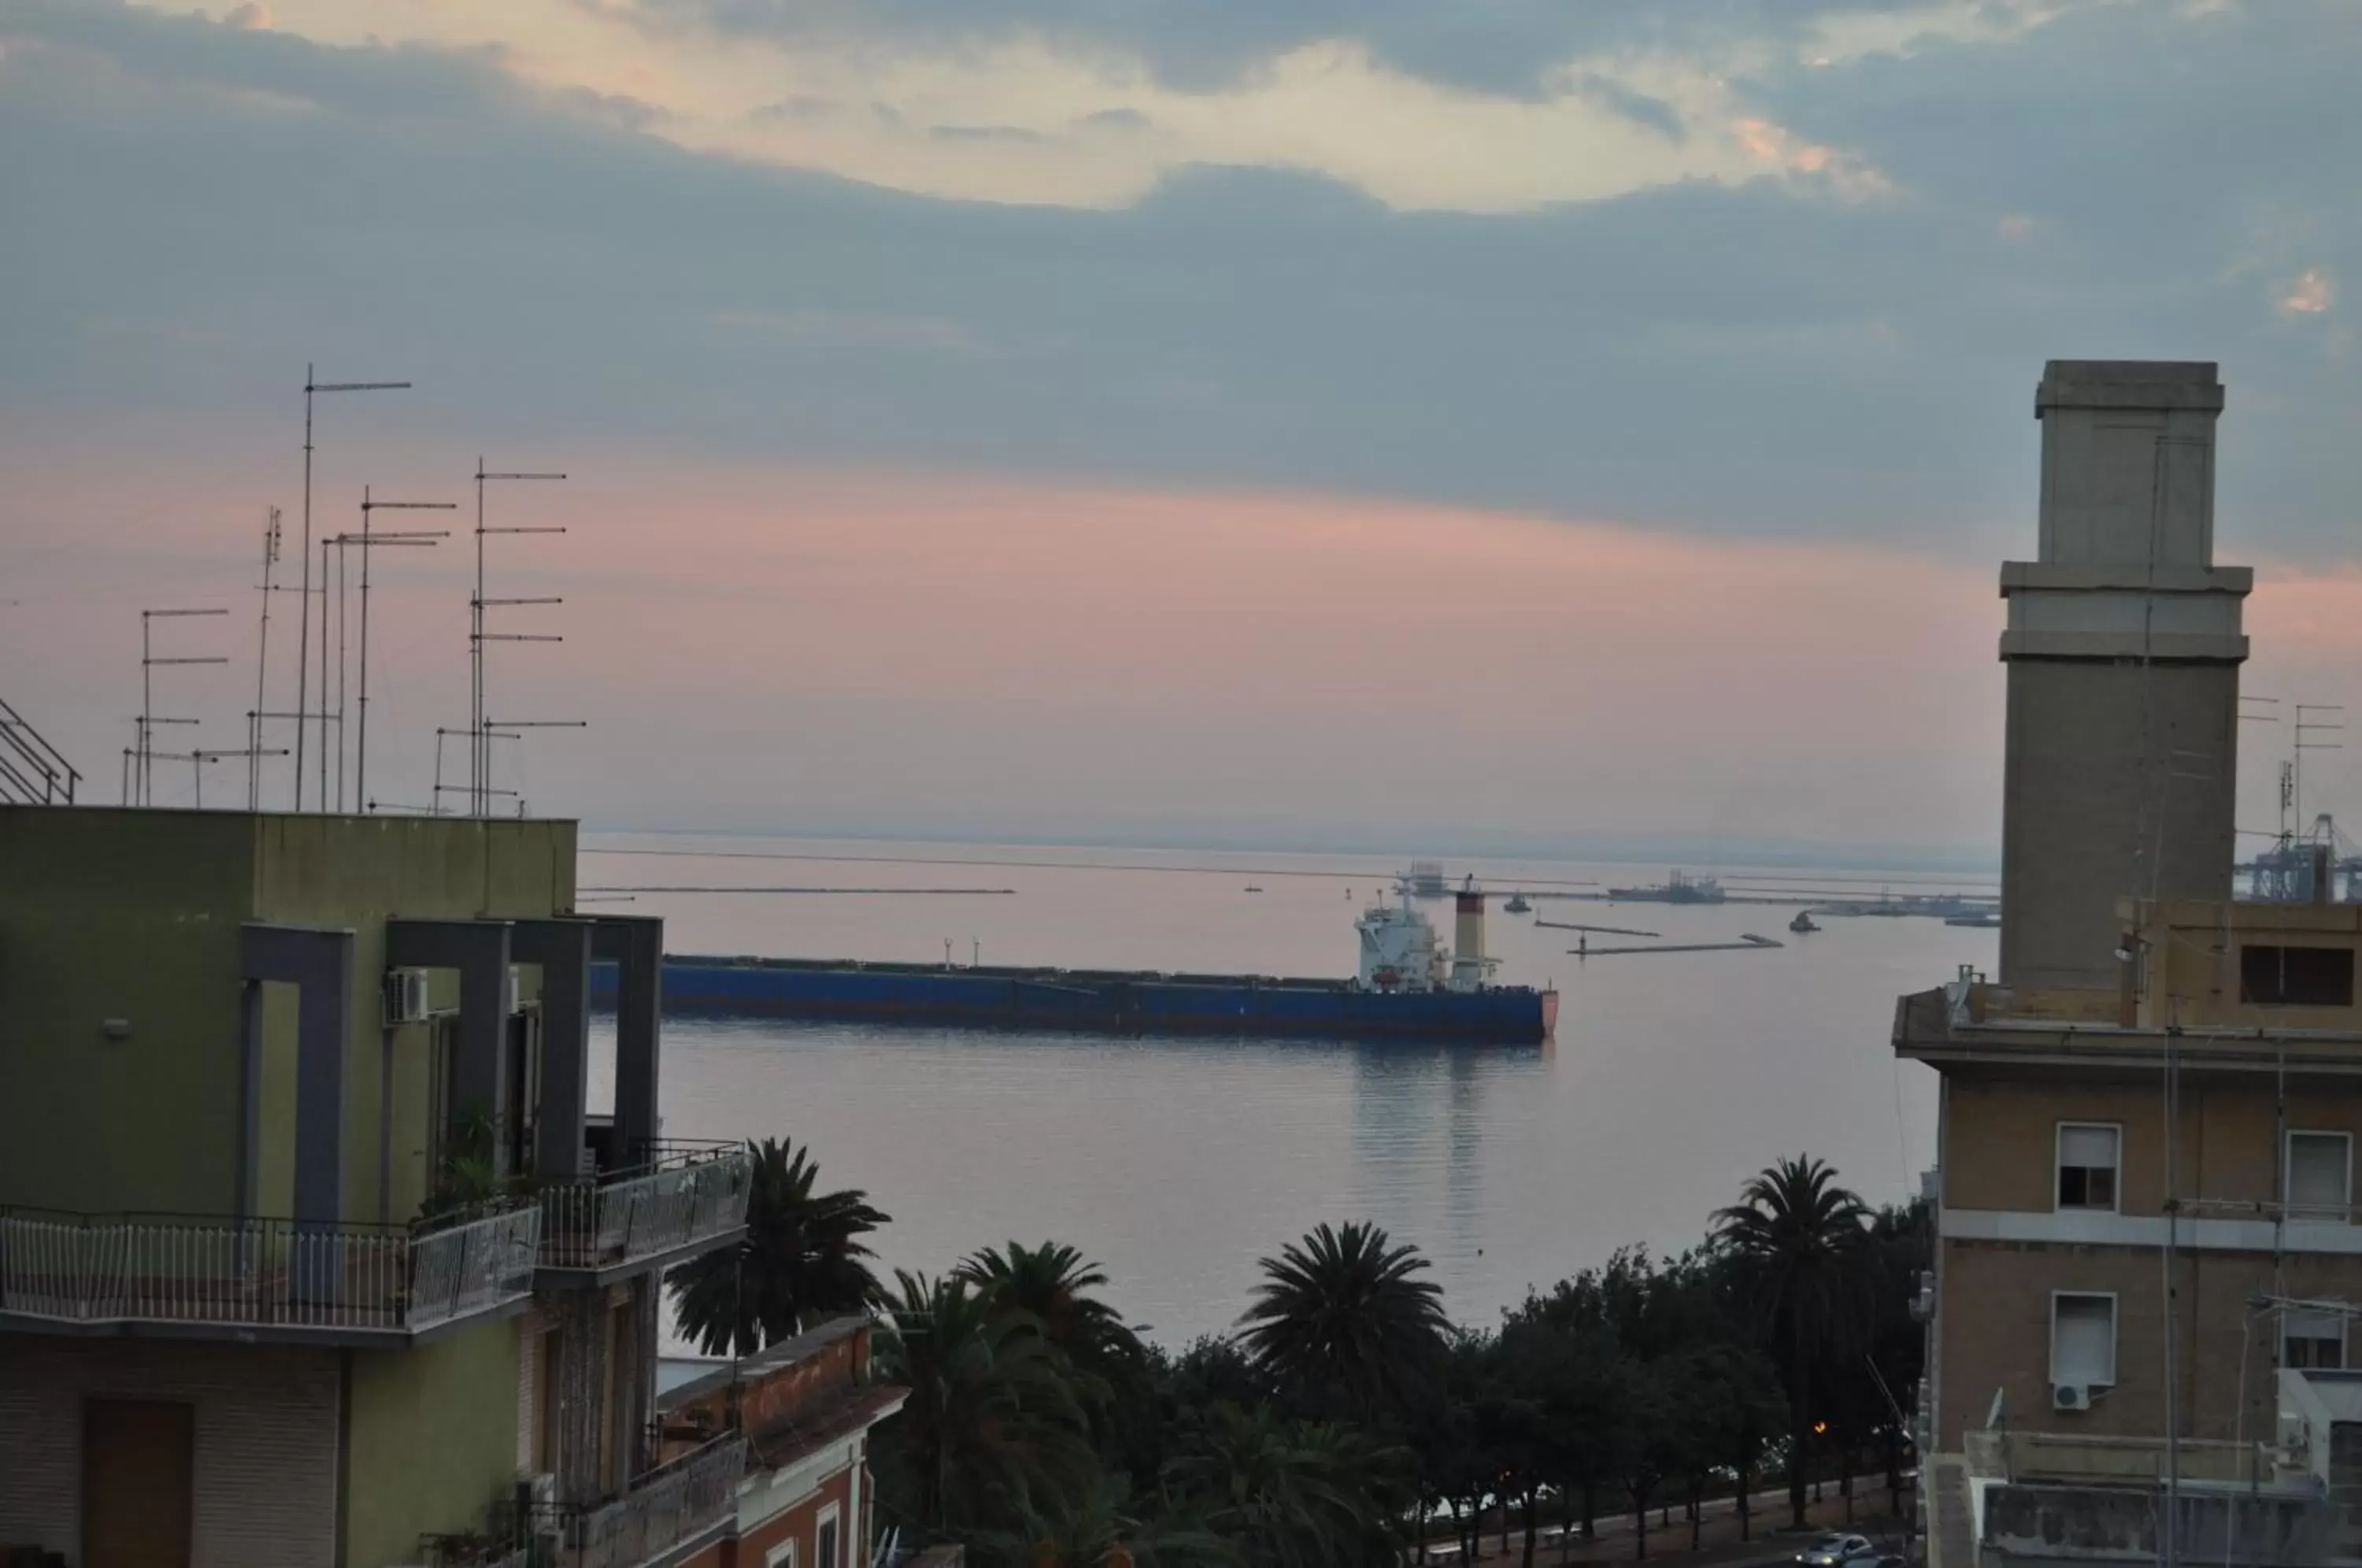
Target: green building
point(310, 1251)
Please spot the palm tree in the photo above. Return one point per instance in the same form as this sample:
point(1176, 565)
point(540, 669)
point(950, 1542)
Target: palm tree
point(1054, 1283)
point(1285, 1493)
point(1342, 1320)
point(1800, 1237)
point(990, 1442)
point(801, 1260)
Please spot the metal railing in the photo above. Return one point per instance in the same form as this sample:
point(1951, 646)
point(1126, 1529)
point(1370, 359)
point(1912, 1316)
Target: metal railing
point(665, 1507)
point(643, 1212)
point(32, 773)
point(277, 1274)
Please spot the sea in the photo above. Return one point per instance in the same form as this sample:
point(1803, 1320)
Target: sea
point(1176, 1163)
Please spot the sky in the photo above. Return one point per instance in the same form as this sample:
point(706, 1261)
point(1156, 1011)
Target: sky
point(1518, 426)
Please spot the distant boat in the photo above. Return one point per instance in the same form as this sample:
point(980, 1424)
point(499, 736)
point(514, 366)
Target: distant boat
point(1677, 889)
point(1255, 890)
point(1516, 904)
point(1985, 920)
point(1803, 924)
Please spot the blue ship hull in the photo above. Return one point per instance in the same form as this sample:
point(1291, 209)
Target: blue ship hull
point(1121, 1002)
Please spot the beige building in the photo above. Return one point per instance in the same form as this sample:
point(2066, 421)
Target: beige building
point(2139, 1316)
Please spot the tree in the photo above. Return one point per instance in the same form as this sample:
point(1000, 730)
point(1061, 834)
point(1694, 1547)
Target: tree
point(1283, 1493)
point(1730, 1408)
point(990, 1443)
point(1054, 1284)
point(799, 1261)
point(1798, 1238)
point(1902, 1242)
point(1342, 1323)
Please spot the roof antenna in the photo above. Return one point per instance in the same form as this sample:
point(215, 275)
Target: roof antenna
point(148, 719)
point(304, 642)
point(420, 539)
point(479, 762)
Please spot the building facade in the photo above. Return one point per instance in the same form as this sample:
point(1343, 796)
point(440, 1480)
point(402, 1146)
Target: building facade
point(310, 1251)
point(2148, 1248)
point(805, 1407)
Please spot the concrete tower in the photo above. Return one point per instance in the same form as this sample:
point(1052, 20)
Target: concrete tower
point(2124, 649)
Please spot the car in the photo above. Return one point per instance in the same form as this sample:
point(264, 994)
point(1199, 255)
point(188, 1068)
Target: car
point(1839, 1552)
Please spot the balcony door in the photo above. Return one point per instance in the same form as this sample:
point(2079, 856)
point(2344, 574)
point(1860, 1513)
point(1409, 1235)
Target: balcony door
point(138, 1464)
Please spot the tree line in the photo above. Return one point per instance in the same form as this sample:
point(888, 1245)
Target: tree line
point(1347, 1420)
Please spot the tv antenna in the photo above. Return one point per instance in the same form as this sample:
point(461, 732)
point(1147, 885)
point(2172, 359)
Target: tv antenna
point(479, 726)
point(413, 538)
point(2306, 728)
point(149, 662)
point(261, 668)
point(302, 648)
point(442, 788)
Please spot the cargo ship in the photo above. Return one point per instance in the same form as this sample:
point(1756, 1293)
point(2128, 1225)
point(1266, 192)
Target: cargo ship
point(1407, 987)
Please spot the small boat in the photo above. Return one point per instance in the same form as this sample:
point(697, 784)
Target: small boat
point(1517, 904)
point(1803, 924)
point(1255, 890)
point(1982, 921)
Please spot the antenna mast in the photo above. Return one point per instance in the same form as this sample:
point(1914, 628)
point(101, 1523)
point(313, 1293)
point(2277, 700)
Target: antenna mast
point(480, 729)
point(149, 661)
point(261, 669)
point(368, 541)
point(304, 642)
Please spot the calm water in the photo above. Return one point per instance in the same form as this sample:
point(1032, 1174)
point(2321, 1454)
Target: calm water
point(1177, 1162)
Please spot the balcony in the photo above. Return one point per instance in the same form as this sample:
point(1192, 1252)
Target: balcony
point(665, 1510)
point(261, 1279)
point(677, 1206)
point(664, 1515)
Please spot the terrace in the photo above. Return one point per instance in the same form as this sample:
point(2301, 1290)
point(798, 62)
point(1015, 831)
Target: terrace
point(284, 1280)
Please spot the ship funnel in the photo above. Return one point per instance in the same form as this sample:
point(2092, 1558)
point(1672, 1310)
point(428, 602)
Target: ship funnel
point(1468, 941)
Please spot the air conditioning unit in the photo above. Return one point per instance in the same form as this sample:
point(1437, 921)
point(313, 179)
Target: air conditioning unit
point(2070, 1396)
point(405, 996)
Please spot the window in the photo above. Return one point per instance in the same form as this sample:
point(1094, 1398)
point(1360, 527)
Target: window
point(2314, 1339)
point(2087, 1165)
point(2320, 1167)
point(2084, 1340)
point(824, 1553)
point(781, 1556)
point(2296, 977)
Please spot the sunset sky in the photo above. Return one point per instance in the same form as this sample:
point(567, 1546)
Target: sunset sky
point(1531, 425)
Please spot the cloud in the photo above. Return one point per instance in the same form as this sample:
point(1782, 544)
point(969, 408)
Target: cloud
point(2312, 294)
point(853, 330)
point(249, 17)
point(1017, 134)
point(1823, 349)
point(1061, 90)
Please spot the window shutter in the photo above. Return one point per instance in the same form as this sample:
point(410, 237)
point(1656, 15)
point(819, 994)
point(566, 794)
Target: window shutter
point(2084, 1340)
point(2088, 1146)
point(2316, 1170)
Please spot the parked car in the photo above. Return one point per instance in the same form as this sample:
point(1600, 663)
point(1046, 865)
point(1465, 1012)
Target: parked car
point(1839, 1552)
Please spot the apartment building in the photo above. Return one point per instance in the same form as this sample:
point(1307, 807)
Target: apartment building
point(806, 1407)
point(2147, 1258)
point(309, 1250)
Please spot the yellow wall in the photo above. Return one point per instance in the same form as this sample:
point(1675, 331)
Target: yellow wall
point(433, 1441)
point(2191, 954)
point(2001, 1150)
point(130, 915)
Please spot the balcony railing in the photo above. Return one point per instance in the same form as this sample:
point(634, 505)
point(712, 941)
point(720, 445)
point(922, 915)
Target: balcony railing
point(665, 1507)
point(118, 1270)
point(650, 1211)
